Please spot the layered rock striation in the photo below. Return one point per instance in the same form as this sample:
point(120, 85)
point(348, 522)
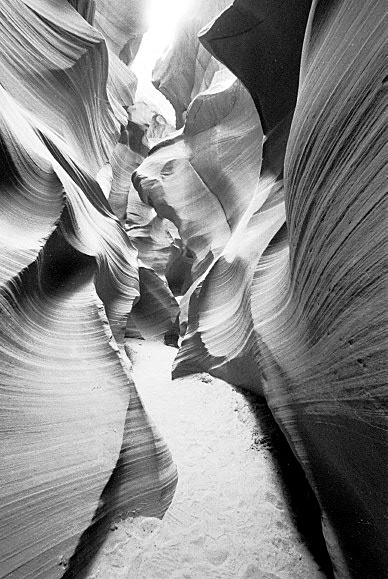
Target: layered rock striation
point(287, 288)
point(188, 68)
point(263, 212)
point(78, 449)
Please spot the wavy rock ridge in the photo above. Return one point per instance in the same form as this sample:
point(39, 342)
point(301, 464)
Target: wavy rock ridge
point(77, 446)
point(264, 209)
point(287, 286)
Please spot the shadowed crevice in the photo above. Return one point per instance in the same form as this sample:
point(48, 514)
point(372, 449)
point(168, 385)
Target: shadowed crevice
point(298, 494)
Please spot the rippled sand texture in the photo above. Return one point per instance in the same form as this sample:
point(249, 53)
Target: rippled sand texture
point(288, 299)
point(76, 443)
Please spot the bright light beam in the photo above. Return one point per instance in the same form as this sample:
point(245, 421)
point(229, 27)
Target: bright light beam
point(164, 18)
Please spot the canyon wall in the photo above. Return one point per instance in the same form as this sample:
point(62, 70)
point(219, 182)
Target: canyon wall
point(78, 450)
point(288, 288)
point(262, 210)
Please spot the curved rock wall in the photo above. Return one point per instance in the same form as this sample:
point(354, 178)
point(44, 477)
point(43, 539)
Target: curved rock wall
point(122, 24)
point(188, 68)
point(77, 446)
point(288, 288)
point(276, 241)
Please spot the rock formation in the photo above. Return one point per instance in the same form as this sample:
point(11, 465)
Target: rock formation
point(263, 211)
point(122, 24)
point(287, 288)
point(77, 446)
point(188, 68)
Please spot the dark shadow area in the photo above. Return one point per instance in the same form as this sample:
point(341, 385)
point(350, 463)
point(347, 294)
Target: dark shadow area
point(298, 494)
point(91, 540)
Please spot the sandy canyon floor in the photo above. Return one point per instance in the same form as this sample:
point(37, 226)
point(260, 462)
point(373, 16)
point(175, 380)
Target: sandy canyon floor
point(241, 508)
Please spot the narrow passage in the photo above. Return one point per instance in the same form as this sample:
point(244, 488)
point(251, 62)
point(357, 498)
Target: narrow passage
point(229, 518)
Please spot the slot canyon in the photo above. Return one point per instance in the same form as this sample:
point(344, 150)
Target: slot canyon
point(193, 289)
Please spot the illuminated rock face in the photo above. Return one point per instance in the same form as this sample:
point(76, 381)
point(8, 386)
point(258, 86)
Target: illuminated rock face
point(287, 293)
point(204, 179)
point(122, 24)
point(77, 446)
point(188, 68)
point(281, 242)
point(156, 311)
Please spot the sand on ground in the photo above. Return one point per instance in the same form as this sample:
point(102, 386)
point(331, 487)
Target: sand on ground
point(229, 517)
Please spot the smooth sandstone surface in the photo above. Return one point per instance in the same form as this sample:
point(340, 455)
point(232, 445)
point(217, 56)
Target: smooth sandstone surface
point(261, 42)
point(122, 25)
point(273, 246)
point(78, 449)
point(290, 303)
point(199, 179)
point(187, 69)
